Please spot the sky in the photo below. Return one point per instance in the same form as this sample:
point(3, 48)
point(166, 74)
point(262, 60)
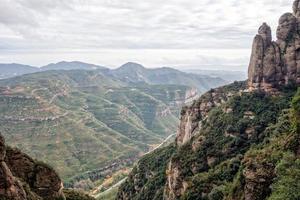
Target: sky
point(185, 34)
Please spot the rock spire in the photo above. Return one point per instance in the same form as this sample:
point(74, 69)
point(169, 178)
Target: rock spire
point(276, 63)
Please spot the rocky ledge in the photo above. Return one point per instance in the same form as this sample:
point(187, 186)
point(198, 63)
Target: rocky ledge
point(22, 178)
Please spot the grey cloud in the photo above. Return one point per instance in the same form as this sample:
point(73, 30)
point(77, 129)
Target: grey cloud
point(134, 24)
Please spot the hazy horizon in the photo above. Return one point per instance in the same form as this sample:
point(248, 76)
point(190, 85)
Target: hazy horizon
point(187, 69)
point(175, 33)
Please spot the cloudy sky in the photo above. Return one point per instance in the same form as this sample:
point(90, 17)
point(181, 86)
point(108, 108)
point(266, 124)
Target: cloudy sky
point(215, 34)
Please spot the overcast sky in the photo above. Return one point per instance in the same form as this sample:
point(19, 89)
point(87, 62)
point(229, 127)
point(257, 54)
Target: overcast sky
point(177, 33)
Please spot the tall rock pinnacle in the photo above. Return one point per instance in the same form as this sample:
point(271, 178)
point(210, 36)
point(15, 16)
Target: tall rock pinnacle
point(273, 64)
point(296, 8)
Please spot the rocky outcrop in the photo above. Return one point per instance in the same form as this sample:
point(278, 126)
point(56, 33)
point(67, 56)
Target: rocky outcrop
point(192, 116)
point(257, 182)
point(274, 64)
point(23, 178)
point(175, 186)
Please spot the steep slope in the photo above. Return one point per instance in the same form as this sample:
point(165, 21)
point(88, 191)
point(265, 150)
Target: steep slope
point(235, 142)
point(23, 178)
point(136, 73)
point(86, 124)
point(11, 70)
point(216, 154)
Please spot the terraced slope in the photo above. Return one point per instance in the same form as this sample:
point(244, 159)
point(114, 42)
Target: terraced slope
point(81, 121)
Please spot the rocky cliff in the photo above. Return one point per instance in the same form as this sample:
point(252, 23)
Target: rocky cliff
point(23, 178)
point(236, 142)
point(276, 63)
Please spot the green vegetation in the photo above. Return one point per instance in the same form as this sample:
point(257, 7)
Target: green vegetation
point(76, 195)
point(246, 148)
point(83, 121)
point(149, 175)
point(111, 195)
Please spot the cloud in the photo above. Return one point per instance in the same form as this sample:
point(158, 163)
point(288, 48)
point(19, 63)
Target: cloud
point(134, 24)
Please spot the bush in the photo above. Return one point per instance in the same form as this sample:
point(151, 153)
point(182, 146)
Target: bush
point(76, 195)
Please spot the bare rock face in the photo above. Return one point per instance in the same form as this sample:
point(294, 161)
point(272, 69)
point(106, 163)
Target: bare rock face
point(258, 178)
point(296, 8)
point(191, 116)
point(10, 187)
point(275, 64)
point(2, 148)
point(256, 62)
point(50, 187)
point(265, 32)
point(22, 178)
point(175, 186)
point(20, 164)
point(286, 27)
point(188, 125)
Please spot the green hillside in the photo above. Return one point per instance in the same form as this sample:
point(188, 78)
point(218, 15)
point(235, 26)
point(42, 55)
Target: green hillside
point(234, 155)
point(84, 121)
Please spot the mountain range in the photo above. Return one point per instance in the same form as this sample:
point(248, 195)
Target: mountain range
point(240, 141)
point(134, 72)
point(89, 121)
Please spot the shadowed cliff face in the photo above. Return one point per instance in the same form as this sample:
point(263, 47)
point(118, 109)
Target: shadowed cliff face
point(275, 64)
point(22, 178)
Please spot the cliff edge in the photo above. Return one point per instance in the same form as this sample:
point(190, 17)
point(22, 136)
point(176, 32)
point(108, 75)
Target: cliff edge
point(22, 178)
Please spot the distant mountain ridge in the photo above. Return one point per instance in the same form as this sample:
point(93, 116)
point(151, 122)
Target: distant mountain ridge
point(227, 75)
point(136, 73)
point(14, 69)
point(130, 73)
point(63, 65)
point(8, 70)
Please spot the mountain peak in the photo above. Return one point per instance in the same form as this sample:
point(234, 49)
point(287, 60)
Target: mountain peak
point(276, 63)
point(132, 66)
point(65, 65)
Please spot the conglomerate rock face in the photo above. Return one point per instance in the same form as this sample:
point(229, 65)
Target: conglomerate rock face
point(274, 64)
point(22, 178)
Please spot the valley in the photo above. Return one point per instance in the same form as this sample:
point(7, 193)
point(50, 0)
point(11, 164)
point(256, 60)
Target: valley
point(195, 124)
point(89, 124)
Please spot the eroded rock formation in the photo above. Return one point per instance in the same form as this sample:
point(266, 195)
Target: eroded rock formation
point(22, 178)
point(192, 116)
point(274, 64)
